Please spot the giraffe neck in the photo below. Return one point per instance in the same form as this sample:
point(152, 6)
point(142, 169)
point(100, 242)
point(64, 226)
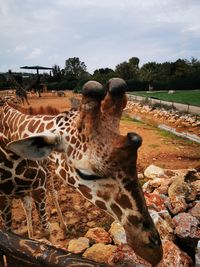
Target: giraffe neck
point(18, 125)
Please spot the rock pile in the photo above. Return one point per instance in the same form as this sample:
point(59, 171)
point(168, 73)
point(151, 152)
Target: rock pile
point(106, 247)
point(171, 116)
point(173, 199)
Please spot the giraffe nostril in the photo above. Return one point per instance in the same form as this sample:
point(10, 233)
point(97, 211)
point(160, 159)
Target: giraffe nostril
point(146, 225)
point(154, 240)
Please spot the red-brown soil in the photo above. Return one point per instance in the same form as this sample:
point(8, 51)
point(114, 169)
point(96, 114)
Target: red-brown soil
point(159, 149)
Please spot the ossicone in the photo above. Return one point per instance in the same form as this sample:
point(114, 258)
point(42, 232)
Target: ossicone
point(94, 89)
point(117, 86)
point(134, 139)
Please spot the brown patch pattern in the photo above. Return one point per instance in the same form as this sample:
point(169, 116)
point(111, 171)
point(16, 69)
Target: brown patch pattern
point(124, 201)
point(71, 180)
point(86, 191)
point(104, 195)
point(116, 210)
point(134, 220)
point(100, 204)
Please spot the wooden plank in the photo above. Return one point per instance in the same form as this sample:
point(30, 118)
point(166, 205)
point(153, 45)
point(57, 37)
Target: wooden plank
point(35, 253)
point(1, 259)
point(13, 262)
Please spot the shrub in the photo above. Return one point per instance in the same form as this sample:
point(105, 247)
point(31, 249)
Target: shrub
point(64, 85)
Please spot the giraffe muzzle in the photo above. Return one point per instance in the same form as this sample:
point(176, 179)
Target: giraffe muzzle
point(146, 244)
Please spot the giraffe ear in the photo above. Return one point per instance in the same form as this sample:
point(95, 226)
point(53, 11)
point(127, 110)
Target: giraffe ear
point(36, 147)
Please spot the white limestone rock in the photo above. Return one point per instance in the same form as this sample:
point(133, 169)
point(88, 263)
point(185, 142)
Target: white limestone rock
point(117, 233)
point(79, 245)
point(153, 172)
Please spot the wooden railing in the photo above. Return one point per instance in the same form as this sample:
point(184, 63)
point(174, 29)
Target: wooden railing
point(17, 251)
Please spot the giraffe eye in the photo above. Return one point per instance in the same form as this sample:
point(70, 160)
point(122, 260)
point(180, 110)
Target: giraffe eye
point(87, 176)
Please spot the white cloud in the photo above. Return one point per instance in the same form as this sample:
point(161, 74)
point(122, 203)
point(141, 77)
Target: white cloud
point(4, 8)
point(194, 29)
point(86, 3)
point(53, 58)
point(77, 36)
point(20, 48)
point(102, 33)
point(35, 53)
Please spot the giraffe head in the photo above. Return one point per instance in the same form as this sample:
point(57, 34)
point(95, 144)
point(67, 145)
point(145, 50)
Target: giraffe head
point(101, 163)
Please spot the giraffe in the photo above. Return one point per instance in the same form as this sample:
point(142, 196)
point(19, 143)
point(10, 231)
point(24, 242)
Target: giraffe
point(87, 151)
point(20, 91)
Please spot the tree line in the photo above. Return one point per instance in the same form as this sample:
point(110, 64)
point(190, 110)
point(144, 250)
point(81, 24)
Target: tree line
point(181, 74)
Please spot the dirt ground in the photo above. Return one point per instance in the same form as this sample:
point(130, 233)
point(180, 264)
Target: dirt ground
point(158, 148)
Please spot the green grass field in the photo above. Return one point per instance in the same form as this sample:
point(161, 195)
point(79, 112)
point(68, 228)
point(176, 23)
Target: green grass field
point(191, 97)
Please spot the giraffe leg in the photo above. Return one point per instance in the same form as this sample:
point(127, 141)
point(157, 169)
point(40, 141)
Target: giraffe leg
point(27, 205)
point(53, 193)
point(5, 207)
point(40, 201)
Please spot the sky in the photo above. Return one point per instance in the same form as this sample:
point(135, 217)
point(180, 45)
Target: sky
point(102, 33)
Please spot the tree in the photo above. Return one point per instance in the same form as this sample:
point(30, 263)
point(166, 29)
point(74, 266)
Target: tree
point(134, 61)
point(181, 68)
point(103, 75)
point(128, 70)
point(75, 68)
point(57, 75)
point(149, 71)
point(165, 71)
point(195, 66)
point(125, 71)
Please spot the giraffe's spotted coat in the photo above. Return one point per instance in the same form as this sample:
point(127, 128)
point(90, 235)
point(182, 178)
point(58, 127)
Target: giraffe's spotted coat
point(87, 140)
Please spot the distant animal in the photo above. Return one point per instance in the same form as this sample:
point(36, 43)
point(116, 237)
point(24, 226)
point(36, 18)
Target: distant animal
point(20, 92)
point(171, 92)
point(75, 103)
point(60, 93)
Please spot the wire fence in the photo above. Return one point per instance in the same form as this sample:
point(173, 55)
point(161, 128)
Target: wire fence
point(162, 103)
